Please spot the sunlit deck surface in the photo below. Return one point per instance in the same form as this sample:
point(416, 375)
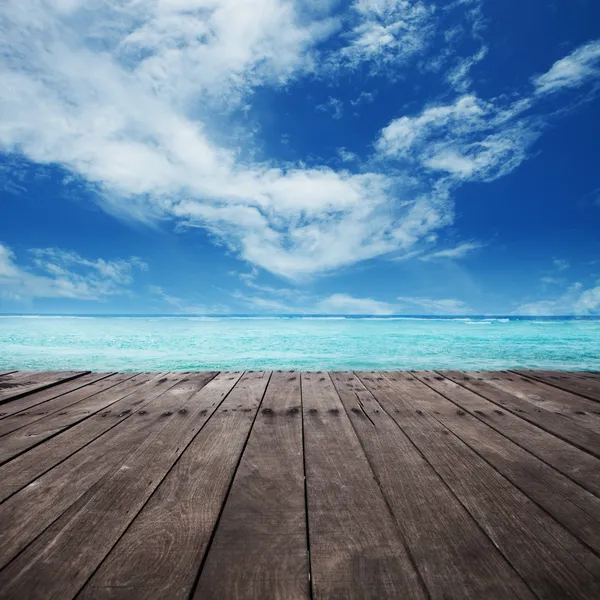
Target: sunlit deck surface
point(300, 485)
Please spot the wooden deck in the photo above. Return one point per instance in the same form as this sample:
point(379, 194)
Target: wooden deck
point(300, 485)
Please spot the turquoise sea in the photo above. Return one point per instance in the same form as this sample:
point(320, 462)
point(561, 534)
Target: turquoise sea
point(149, 343)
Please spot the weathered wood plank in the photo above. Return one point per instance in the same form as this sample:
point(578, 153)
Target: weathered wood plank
point(588, 387)
point(92, 399)
point(583, 412)
point(28, 383)
point(453, 555)
point(355, 547)
point(588, 374)
point(14, 375)
point(4, 373)
point(552, 561)
point(575, 464)
point(35, 406)
point(161, 552)
point(572, 506)
point(59, 562)
point(26, 468)
point(581, 437)
point(27, 513)
point(260, 548)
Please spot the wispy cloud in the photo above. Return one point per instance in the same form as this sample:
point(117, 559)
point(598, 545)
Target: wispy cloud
point(55, 273)
point(177, 305)
point(459, 251)
point(444, 306)
point(575, 300)
point(551, 280)
point(470, 139)
point(386, 31)
point(346, 156)
point(572, 71)
point(345, 304)
point(136, 99)
point(334, 106)
point(560, 264)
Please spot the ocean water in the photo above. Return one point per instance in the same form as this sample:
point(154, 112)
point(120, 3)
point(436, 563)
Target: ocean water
point(108, 343)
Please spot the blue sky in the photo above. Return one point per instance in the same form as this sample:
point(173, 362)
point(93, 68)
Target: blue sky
point(320, 156)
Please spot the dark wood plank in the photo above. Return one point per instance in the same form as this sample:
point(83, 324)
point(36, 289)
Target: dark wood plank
point(356, 550)
point(575, 464)
point(59, 562)
point(581, 437)
point(14, 375)
point(92, 399)
point(29, 408)
point(577, 409)
point(27, 513)
point(572, 506)
point(161, 552)
point(588, 387)
point(551, 560)
point(72, 392)
point(28, 383)
point(24, 469)
point(453, 555)
point(260, 548)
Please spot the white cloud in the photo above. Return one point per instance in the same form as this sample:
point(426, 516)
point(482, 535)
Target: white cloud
point(334, 106)
point(468, 140)
point(134, 97)
point(588, 302)
point(561, 264)
point(434, 306)
point(127, 120)
point(364, 98)
point(386, 31)
point(345, 304)
point(575, 300)
point(177, 305)
point(476, 139)
point(551, 280)
point(294, 300)
point(458, 76)
point(574, 70)
point(297, 302)
point(260, 304)
point(346, 156)
point(60, 274)
point(459, 251)
point(281, 301)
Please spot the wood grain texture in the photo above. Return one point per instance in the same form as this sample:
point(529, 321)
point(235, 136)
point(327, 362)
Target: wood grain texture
point(577, 465)
point(260, 548)
point(581, 437)
point(33, 508)
point(416, 486)
point(92, 399)
point(52, 400)
point(550, 560)
point(356, 550)
point(24, 469)
point(160, 554)
point(59, 562)
point(12, 389)
point(585, 386)
point(453, 555)
point(577, 409)
point(572, 506)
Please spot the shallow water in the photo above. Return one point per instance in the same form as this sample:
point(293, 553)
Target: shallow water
point(110, 343)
